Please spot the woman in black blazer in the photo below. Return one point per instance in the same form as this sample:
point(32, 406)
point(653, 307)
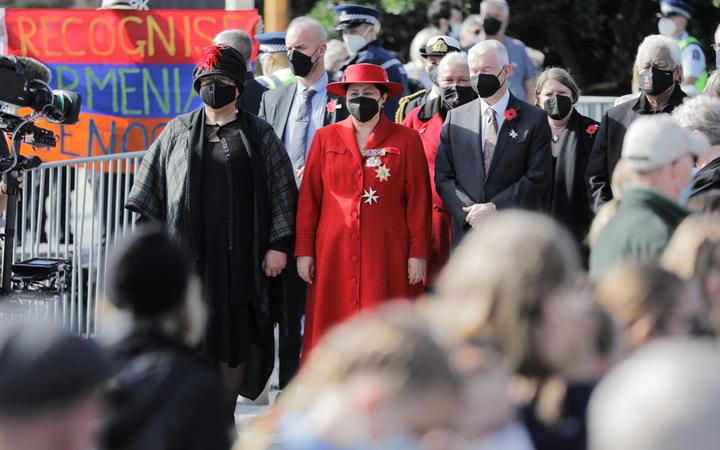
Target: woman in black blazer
point(572, 139)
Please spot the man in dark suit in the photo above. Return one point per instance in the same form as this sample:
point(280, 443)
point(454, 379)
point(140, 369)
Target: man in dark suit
point(494, 152)
point(658, 68)
point(296, 111)
point(253, 91)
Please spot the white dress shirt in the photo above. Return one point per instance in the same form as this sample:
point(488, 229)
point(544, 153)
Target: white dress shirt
point(499, 108)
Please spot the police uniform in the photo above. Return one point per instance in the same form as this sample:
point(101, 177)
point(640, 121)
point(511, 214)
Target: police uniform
point(350, 16)
point(436, 46)
point(692, 56)
point(274, 43)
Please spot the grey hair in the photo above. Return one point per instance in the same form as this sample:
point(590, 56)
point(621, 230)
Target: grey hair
point(237, 39)
point(452, 59)
point(701, 113)
point(712, 87)
point(656, 43)
point(501, 3)
point(314, 24)
point(490, 45)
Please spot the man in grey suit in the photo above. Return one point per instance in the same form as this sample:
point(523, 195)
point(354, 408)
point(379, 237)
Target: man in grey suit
point(494, 152)
point(296, 111)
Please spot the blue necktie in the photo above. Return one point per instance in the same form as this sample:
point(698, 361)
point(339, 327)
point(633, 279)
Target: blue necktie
point(299, 137)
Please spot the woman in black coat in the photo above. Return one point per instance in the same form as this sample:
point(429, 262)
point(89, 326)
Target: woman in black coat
point(573, 136)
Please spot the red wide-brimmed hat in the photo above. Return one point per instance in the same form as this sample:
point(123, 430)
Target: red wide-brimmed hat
point(365, 74)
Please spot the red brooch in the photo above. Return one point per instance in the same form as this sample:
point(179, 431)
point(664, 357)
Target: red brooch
point(510, 114)
point(332, 106)
point(591, 129)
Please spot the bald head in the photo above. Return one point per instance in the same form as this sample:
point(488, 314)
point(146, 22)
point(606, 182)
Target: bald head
point(308, 27)
point(666, 396)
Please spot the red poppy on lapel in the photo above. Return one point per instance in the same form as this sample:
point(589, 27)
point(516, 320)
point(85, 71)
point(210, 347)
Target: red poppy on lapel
point(332, 106)
point(591, 129)
point(510, 114)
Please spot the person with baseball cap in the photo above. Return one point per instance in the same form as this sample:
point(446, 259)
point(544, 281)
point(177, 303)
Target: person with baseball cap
point(659, 156)
point(222, 183)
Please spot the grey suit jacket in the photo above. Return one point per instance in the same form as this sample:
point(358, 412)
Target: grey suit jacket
point(520, 171)
point(276, 103)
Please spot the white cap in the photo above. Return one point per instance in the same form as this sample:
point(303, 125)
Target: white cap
point(656, 140)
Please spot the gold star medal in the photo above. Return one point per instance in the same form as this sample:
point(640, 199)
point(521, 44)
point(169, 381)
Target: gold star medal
point(382, 173)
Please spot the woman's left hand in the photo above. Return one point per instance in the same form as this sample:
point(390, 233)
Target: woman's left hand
point(417, 269)
point(274, 263)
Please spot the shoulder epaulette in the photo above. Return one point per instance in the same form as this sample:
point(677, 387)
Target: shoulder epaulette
point(400, 113)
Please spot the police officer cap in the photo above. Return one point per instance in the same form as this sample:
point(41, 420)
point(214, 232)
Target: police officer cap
point(680, 7)
point(440, 46)
point(272, 42)
point(351, 16)
point(43, 368)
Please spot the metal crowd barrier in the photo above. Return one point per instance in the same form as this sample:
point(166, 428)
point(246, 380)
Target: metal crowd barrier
point(594, 106)
point(74, 210)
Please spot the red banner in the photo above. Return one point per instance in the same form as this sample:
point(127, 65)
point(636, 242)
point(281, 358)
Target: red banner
point(133, 69)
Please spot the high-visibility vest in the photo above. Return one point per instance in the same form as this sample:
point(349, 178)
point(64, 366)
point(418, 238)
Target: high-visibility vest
point(702, 80)
point(282, 77)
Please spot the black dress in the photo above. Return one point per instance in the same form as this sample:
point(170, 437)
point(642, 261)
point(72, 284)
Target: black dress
point(231, 324)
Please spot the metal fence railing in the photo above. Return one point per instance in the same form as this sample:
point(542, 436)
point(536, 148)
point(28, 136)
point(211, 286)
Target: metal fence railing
point(74, 210)
point(594, 106)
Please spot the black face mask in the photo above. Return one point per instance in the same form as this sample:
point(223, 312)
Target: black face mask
point(485, 84)
point(454, 96)
point(655, 81)
point(363, 108)
point(300, 63)
point(216, 94)
point(558, 106)
point(433, 74)
point(491, 26)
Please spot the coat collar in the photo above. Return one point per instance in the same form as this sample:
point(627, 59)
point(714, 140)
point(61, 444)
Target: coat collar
point(642, 105)
point(379, 134)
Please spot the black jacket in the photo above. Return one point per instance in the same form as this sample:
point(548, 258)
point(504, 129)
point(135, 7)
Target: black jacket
point(252, 94)
point(608, 145)
point(567, 199)
point(161, 397)
point(519, 171)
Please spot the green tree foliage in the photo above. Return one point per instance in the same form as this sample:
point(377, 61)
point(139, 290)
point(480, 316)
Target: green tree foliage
point(596, 39)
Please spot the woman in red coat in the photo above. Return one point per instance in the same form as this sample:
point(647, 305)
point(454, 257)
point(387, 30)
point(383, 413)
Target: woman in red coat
point(428, 119)
point(363, 222)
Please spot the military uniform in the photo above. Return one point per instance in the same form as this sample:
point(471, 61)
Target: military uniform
point(436, 46)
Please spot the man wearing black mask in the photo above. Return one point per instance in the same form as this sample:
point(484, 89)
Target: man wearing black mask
point(495, 16)
point(453, 79)
point(657, 66)
point(435, 49)
point(494, 152)
point(295, 112)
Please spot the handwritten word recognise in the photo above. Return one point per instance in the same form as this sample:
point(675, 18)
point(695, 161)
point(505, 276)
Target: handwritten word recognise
point(133, 69)
point(133, 36)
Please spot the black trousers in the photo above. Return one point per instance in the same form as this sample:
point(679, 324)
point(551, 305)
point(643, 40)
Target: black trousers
point(287, 293)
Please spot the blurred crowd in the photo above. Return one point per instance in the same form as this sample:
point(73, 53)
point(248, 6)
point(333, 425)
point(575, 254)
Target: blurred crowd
point(452, 255)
